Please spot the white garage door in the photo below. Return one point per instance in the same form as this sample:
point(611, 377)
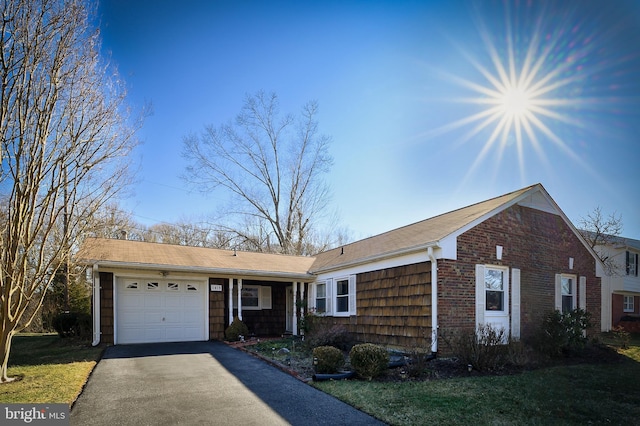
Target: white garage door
point(160, 311)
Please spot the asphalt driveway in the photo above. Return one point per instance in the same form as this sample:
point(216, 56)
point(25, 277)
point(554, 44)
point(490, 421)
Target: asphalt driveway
point(201, 383)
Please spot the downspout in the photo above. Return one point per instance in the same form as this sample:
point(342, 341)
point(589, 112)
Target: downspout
point(434, 301)
point(95, 275)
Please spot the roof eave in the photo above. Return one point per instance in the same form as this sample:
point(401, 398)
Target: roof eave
point(303, 276)
point(377, 257)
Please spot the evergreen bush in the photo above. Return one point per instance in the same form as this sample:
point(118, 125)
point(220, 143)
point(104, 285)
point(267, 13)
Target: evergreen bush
point(369, 360)
point(328, 359)
point(73, 324)
point(235, 330)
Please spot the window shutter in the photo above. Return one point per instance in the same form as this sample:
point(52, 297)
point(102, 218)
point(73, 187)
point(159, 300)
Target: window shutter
point(583, 293)
point(330, 292)
point(636, 264)
point(480, 295)
point(627, 261)
point(352, 295)
point(559, 292)
point(265, 297)
point(515, 304)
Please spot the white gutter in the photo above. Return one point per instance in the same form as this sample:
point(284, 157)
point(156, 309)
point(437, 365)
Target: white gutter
point(374, 258)
point(434, 300)
point(254, 274)
point(95, 275)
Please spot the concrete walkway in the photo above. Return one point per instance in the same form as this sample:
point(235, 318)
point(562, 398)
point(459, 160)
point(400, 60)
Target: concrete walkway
point(201, 383)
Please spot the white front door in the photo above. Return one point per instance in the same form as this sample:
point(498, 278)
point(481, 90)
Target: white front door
point(149, 310)
point(492, 297)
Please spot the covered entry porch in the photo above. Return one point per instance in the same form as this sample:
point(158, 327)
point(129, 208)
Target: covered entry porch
point(269, 307)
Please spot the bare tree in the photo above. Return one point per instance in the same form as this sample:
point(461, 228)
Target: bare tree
point(64, 147)
point(114, 222)
point(601, 231)
point(273, 165)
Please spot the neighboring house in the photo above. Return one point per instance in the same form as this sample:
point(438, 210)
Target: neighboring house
point(506, 261)
point(621, 287)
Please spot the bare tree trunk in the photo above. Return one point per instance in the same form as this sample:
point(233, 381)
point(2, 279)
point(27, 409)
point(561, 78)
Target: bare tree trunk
point(64, 145)
point(5, 349)
point(272, 164)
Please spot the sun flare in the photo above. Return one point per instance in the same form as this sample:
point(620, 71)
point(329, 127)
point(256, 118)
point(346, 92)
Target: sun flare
point(523, 89)
point(515, 103)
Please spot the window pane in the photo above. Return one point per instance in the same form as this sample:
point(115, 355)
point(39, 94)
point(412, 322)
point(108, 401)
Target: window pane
point(495, 300)
point(343, 304)
point(493, 279)
point(628, 304)
point(566, 285)
point(250, 296)
point(567, 304)
point(322, 290)
point(321, 306)
point(343, 287)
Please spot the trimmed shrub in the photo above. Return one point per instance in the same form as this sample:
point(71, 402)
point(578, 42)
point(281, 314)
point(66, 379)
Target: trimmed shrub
point(485, 349)
point(563, 334)
point(235, 330)
point(73, 324)
point(321, 331)
point(368, 360)
point(329, 359)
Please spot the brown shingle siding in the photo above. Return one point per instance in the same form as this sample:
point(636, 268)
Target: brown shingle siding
point(106, 308)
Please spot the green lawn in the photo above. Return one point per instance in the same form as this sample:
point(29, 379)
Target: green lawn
point(577, 394)
point(49, 369)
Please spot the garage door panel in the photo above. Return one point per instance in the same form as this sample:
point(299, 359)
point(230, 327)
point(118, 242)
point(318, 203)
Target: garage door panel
point(191, 333)
point(129, 318)
point(193, 302)
point(132, 300)
point(175, 317)
point(153, 335)
point(191, 317)
point(174, 301)
point(153, 300)
point(160, 311)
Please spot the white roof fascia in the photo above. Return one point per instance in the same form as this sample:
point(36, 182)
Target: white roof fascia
point(378, 258)
point(210, 271)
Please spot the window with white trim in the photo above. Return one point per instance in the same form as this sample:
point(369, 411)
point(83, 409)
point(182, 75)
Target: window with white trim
point(632, 263)
point(567, 284)
point(627, 304)
point(342, 295)
point(253, 297)
point(321, 298)
point(335, 296)
point(250, 297)
point(494, 289)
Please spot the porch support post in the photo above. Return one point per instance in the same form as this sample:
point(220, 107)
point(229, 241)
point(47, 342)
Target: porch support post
point(230, 300)
point(240, 299)
point(295, 308)
point(303, 295)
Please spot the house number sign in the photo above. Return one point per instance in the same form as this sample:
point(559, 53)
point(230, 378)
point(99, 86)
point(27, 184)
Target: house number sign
point(216, 287)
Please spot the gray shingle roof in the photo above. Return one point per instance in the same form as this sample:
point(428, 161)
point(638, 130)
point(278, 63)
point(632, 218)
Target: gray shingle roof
point(417, 235)
point(406, 239)
point(156, 256)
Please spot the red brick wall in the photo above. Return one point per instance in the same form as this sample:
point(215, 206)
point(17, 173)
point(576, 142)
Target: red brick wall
point(537, 243)
point(106, 308)
point(617, 308)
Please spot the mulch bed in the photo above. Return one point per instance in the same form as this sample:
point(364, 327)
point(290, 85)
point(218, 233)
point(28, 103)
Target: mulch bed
point(300, 366)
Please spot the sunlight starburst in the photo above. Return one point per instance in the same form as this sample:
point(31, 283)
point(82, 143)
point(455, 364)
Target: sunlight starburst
point(525, 90)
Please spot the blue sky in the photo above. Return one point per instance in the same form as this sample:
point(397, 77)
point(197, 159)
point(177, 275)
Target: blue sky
point(405, 89)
